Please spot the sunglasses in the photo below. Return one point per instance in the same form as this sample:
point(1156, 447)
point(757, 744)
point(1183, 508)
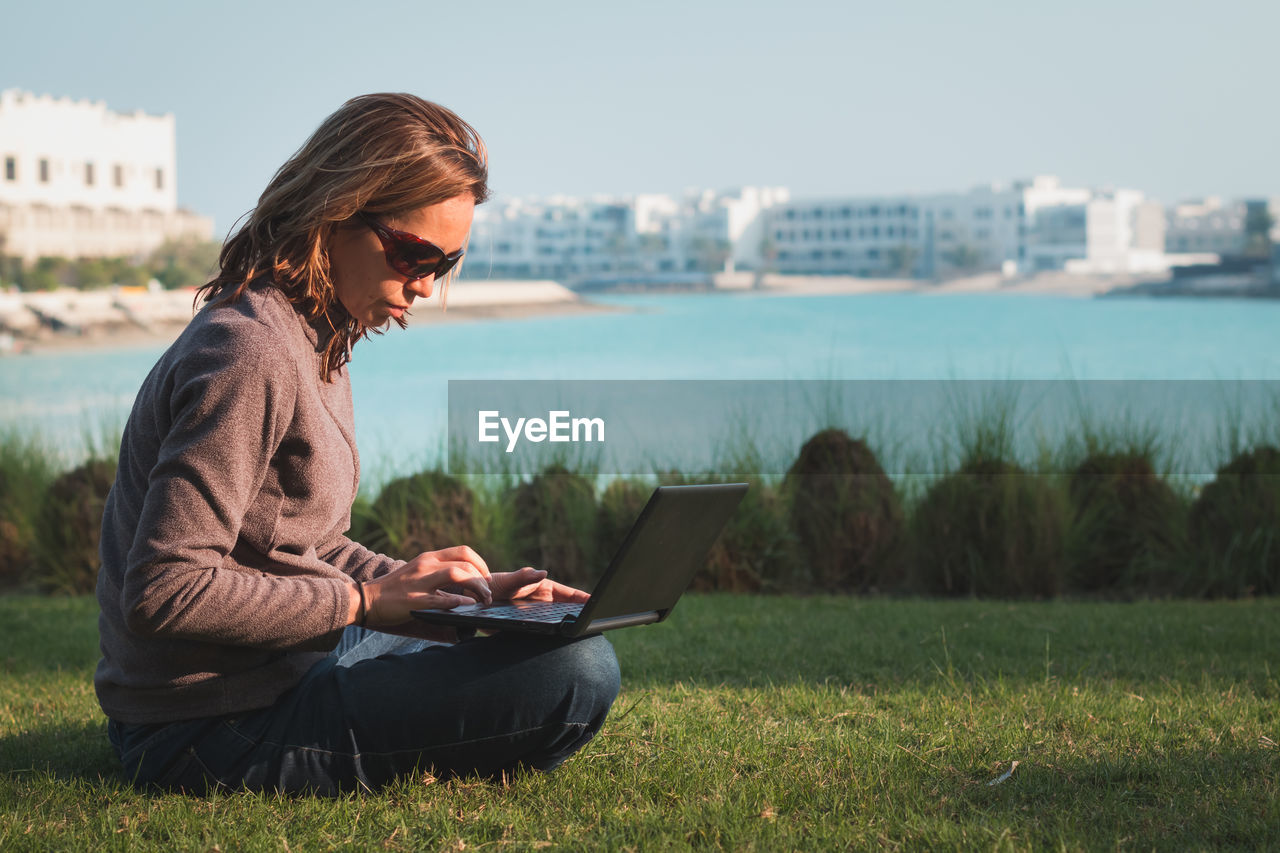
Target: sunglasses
point(410, 255)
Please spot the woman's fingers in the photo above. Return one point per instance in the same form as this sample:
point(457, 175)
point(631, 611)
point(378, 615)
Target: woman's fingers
point(442, 600)
point(459, 554)
point(507, 585)
point(549, 590)
point(457, 581)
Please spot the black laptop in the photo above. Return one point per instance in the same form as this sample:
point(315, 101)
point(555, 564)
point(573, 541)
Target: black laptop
point(663, 550)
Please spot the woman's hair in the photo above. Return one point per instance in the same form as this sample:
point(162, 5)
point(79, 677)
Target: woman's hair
point(383, 154)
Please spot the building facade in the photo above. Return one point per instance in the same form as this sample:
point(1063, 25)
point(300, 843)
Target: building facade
point(643, 236)
point(77, 180)
point(1023, 227)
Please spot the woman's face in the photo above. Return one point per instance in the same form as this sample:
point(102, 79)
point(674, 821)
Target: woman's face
point(370, 290)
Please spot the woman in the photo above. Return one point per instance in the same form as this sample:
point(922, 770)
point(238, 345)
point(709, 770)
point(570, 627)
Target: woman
point(246, 641)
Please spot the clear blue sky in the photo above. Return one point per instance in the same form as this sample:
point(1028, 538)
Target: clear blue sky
point(1174, 98)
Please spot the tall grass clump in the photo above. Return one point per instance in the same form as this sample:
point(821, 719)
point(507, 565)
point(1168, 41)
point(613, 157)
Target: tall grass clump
point(757, 550)
point(620, 505)
point(845, 514)
point(1235, 527)
point(553, 525)
point(990, 528)
point(422, 512)
point(1128, 526)
point(69, 522)
point(26, 469)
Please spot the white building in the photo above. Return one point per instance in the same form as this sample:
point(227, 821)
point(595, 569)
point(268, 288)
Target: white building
point(1109, 232)
point(1025, 226)
point(642, 236)
point(77, 180)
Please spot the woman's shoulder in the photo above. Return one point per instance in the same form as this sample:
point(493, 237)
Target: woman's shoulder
point(257, 334)
point(260, 318)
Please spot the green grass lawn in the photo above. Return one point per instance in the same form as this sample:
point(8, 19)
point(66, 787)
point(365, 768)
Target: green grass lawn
point(761, 723)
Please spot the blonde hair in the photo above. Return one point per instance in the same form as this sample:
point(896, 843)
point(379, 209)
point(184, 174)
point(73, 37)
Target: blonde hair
point(381, 154)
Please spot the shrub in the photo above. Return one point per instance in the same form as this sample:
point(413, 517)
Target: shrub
point(620, 505)
point(25, 473)
point(989, 529)
point(756, 551)
point(845, 513)
point(553, 526)
point(69, 526)
point(1235, 527)
point(1128, 526)
point(422, 512)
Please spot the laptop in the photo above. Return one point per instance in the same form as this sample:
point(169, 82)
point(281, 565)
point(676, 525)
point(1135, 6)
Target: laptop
point(659, 557)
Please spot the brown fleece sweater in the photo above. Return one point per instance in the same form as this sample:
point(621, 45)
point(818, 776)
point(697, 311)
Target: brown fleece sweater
point(225, 571)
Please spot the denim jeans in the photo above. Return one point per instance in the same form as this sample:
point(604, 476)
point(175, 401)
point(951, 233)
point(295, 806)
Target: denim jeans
point(381, 707)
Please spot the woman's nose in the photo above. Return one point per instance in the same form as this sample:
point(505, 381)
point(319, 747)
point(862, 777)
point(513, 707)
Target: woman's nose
point(422, 287)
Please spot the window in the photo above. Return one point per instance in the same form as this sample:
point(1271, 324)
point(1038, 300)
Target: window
point(44, 170)
point(118, 175)
point(11, 168)
point(88, 174)
point(159, 179)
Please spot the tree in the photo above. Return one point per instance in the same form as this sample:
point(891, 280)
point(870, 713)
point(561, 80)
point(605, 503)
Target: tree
point(709, 254)
point(184, 263)
point(902, 260)
point(964, 258)
point(1258, 222)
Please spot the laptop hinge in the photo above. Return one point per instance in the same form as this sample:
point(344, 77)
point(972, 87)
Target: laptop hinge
point(612, 622)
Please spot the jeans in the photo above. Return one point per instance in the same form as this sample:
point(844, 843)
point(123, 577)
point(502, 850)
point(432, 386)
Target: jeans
point(381, 707)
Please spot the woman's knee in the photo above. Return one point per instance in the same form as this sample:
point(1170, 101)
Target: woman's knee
point(586, 671)
point(596, 667)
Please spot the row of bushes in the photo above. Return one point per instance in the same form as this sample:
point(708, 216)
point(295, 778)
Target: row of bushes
point(1111, 526)
point(837, 523)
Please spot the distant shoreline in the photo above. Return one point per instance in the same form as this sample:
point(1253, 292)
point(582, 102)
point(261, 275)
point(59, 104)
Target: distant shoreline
point(472, 301)
point(120, 337)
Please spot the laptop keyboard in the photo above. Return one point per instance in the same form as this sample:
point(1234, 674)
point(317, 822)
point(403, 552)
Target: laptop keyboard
point(534, 611)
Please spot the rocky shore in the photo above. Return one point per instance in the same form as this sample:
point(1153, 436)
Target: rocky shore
point(124, 317)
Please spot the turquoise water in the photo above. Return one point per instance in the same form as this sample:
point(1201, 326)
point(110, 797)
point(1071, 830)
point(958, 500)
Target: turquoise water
point(399, 379)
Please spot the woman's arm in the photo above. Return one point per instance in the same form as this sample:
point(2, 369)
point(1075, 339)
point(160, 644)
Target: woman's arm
point(229, 407)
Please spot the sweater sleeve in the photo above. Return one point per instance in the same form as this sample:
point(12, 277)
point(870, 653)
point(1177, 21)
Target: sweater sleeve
point(230, 405)
point(352, 558)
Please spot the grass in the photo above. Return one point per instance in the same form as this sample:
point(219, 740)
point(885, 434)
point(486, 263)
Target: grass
point(766, 724)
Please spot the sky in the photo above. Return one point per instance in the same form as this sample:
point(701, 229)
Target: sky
point(1174, 98)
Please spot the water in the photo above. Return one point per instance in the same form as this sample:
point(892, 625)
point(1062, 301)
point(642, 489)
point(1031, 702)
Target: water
point(399, 379)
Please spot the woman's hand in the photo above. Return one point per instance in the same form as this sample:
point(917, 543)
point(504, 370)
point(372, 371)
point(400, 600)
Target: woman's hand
point(532, 584)
point(436, 579)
